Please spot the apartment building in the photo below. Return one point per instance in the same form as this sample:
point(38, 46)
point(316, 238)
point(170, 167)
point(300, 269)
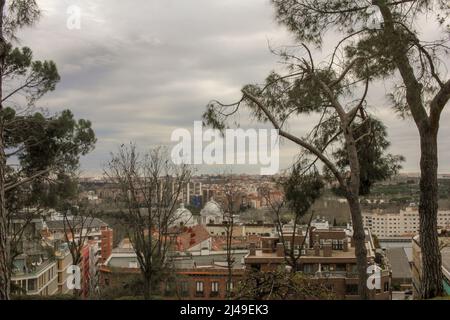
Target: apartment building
point(63, 261)
point(329, 256)
point(207, 283)
point(42, 268)
point(241, 229)
point(38, 273)
point(405, 222)
point(38, 278)
point(197, 276)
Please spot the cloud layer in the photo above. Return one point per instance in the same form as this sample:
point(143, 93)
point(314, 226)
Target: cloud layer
point(140, 69)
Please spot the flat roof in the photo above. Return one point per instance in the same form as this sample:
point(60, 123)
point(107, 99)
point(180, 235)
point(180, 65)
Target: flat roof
point(398, 260)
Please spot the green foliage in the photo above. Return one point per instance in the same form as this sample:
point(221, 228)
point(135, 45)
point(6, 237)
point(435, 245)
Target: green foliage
point(302, 189)
point(19, 13)
point(310, 19)
point(49, 145)
point(288, 95)
point(41, 142)
point(54, 195)
point(373, 51)
point(375, 164)
point(36, 77)
point(17, 61)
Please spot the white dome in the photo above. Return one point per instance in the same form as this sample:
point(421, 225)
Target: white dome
point(183, 216)
point(212, 208)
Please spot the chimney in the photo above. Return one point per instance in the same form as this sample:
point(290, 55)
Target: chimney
point(252, 249)
point(345, 245)
point(327, 249)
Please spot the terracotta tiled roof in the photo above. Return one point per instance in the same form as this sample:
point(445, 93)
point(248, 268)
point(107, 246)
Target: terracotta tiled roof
point(191, 237)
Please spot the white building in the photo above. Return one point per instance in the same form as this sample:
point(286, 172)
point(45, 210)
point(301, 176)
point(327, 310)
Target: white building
point(406, 222)
point(320, 223)
point(211, 213)
point(184, 217)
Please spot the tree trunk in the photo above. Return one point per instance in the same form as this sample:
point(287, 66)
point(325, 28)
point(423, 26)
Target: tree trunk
point(147, 286)
point(360, 245)
point(431, 282)
point(5, 263)
point(352, 192)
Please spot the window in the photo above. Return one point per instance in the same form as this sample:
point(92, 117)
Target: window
point(230, 286)
point(184, 288)
point(308, 268)
point(31, 284)
point(337, 244)
point(255, 267)
point(199, 288)
point(351, 289)
point(386, 286)
point(214, 288)
point(341, 267)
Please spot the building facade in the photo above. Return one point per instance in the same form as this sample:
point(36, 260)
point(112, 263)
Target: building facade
point(328, 256)
point(405, 222)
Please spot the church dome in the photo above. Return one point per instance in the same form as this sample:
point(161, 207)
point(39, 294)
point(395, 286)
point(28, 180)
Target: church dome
point(183, 216)
point(212, 208)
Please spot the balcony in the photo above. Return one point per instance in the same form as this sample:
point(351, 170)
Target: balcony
point(33, 272)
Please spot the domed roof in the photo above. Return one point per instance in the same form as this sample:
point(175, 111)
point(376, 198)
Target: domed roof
point(183, 216)
point(212, 208)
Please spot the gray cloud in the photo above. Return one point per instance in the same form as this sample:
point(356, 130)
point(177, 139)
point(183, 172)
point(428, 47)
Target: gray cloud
point(140, 69)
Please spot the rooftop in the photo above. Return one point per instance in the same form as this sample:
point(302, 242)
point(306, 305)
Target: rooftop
point(398, 260)
point(88, 223)
point(335, 254)
point(210, 260)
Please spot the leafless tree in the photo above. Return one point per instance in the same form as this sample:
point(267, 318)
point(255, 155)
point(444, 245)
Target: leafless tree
point(281, 285)
point(150, 186)
point(77, 226)
point(230, 205)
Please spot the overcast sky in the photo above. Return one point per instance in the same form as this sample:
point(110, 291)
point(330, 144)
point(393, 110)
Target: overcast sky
point(140, 69)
